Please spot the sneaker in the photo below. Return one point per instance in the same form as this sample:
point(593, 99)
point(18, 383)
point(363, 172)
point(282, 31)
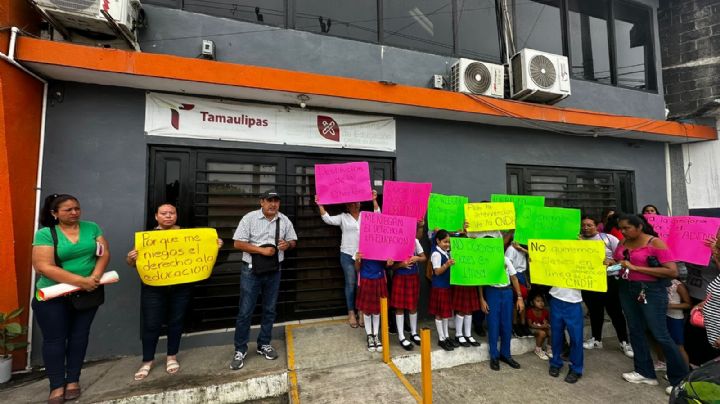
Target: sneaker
point(370, 343)
point(660, 365)
point(637, 378)
point(592, 344)
point(541, 354)
point(378, 344)
point(268, 351)
point(626, 348)
point(549, 353)
point(237, 360)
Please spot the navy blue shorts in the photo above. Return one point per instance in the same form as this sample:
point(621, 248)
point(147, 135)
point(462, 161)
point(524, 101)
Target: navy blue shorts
point(676, 327)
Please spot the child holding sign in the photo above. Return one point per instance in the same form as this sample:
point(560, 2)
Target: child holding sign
point(440, 299)
point(405, 293)
point(372, 287)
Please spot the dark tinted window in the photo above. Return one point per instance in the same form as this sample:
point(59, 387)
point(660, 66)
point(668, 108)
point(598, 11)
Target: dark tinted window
point(423, 25)
point(355, 19)
point(538, 25)
point(633, 46)
point(477, 30)
point(589, 43)
point(270, 12)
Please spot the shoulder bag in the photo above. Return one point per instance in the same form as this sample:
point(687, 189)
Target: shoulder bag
point(262, 264)
point(81, 300)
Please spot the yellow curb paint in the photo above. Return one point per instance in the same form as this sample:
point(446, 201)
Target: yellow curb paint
point(292, 374)
point(405, 381)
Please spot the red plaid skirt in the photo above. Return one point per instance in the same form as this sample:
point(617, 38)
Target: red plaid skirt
point(465, 299)
point(405, 292)
point(440, 302)
point(369, 293)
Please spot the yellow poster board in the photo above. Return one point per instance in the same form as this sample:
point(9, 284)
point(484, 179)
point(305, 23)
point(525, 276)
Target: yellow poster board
point(171, 257)
point(488, 216)
point(574, 264)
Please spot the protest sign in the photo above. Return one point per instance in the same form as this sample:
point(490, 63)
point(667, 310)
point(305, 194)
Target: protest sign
point(574, 264)
point(171, 257)
point(384, 236)
point(520, 201)
point(478, 261)
point(406, 198)
point(686, 235)
point(343, 183)
point(446, 212)
point(490, 216)
point(547, 224)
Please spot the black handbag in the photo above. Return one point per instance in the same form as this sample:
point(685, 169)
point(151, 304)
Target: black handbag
point(262, 264)
point(81, 300)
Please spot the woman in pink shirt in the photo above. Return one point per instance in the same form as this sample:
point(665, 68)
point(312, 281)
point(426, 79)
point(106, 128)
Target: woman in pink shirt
point(647, 266)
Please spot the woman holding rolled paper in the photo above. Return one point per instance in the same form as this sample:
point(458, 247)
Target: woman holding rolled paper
point(72, 251)
point(162, 304)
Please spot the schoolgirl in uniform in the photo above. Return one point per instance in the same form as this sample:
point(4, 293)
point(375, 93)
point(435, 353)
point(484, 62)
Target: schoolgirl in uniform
point(440, 293)
point(372, 287)
point(405, 294)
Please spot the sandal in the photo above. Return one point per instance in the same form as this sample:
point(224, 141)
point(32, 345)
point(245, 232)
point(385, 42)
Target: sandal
point(352, 321)
point(172, 366)
point(142, 372)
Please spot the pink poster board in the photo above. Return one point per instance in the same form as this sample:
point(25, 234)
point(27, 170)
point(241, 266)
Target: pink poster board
point(343, 183)
point(406, 198)
point(384, 236)
point(686, 235)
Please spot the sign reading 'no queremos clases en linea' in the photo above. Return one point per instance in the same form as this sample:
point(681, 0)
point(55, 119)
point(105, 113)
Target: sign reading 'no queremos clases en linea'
point(574, 264)
point(477, 261)
point(343, 183)
point(171, 257)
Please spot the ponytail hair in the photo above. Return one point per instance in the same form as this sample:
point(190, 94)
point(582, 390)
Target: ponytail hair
point(639, 221)
point(50, 205)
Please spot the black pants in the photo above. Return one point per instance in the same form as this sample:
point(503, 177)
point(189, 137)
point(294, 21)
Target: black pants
point(598, 302)
point(163, 305)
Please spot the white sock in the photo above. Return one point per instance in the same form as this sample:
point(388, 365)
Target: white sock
point(439, 326)
point(368, 324)
point(459, 325)
point(413, 323)
point(466, 325)
point(445, 327)
point(376, 324)
point(400, 321)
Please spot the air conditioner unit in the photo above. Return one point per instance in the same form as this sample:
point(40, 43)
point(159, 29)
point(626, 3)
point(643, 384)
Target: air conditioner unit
point(539, 76)
point(86, 18)
point(471, 76)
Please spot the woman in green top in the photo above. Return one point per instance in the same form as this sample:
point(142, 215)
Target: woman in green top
point(83, 253)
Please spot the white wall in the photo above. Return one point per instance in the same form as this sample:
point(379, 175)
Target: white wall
point(702, 168)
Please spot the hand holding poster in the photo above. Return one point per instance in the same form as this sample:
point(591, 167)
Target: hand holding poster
point(171, 257)
point(686, 235)
point(547, 224)
point(406, 198)
point(574, 264)
point(342, 183)
point(478, 261)
point(385, 237)
point(520, 201)
point(446, 212)
point(490, 216)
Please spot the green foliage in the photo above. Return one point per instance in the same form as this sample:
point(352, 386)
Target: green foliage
point(10, 331)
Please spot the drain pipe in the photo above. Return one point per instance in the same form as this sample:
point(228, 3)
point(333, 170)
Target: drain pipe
point(10, 58)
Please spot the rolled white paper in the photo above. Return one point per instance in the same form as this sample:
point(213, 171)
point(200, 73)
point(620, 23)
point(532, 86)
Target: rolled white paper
point(62, 289)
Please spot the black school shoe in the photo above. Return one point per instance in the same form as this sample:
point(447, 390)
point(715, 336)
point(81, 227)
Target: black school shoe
point(445, 344)
point(453, 343)
point(472, 341)
point(406, 345)
point(572, 377)
point(511, 362)
point(554, 371)
point(462, 343)
point(494, 364)
point(415, 339)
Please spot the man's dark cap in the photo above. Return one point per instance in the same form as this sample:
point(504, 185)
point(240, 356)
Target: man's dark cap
point(272, 194)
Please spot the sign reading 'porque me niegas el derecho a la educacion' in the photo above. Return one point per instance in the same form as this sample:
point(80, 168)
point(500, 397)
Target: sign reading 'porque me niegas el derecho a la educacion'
point(200, 118)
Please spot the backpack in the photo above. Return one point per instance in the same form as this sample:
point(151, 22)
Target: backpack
point(701, 386)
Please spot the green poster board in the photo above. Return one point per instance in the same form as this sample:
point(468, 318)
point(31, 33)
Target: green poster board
point(478, 261)
point(544, 223)
point(446, 212)
point(520, 201)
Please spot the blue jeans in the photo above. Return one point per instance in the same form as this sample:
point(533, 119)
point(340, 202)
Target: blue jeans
point(251, 286)
point(499, 320)
point(65, 332)
point(650, 316)
point(567, 315)
point(158, 304)
point(348, 266)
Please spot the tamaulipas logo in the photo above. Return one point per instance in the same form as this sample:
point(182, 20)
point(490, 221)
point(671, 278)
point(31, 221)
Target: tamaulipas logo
point(328, 128)
point(175, 114)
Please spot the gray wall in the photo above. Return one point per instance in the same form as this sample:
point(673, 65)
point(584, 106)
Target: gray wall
point(178, 32)
point(96, 150)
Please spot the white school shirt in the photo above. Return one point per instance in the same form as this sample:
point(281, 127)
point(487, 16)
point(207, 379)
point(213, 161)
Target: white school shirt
point(510, 271)
point(517, 258)
point(566, 294)
point(350, 229)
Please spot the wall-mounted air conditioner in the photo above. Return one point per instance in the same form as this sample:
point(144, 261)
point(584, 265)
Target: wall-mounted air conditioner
point(473, 77)
point(539, 76)
point(86, 17)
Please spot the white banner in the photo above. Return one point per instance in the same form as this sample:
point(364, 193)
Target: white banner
point(200, 118)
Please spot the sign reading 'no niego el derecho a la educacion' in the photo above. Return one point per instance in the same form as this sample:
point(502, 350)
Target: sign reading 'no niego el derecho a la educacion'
point(201, 118)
